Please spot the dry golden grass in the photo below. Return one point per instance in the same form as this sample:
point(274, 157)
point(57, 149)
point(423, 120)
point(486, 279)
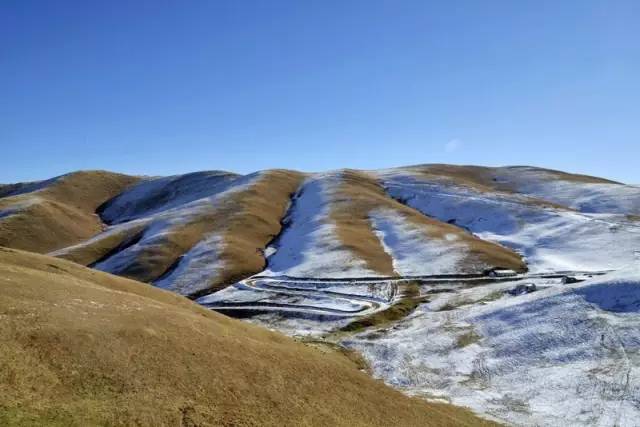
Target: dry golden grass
point(405, 305)
point(360, 194)
point(352, 203)
point(62, 213)
point(81, 347)
point(467, 338)
point(477, 177)
point(482, 177)
point(575, 177)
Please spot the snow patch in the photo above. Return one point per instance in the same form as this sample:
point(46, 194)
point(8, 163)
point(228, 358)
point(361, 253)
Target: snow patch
point(199, 267)
point(412, 250)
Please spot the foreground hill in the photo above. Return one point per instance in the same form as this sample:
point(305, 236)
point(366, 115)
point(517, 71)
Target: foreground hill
point(81, 347)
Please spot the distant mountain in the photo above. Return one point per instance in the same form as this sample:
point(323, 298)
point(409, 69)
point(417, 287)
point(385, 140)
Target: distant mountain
point(199, 232)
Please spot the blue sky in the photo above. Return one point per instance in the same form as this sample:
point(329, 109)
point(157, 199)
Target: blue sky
point(162, 87)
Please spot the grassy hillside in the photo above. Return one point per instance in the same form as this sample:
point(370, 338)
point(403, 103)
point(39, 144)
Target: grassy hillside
point(352, 204)
point(41, 217)
point(81, 347)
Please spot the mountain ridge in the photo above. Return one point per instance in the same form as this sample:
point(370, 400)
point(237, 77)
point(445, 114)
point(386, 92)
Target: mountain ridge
point(157, 229)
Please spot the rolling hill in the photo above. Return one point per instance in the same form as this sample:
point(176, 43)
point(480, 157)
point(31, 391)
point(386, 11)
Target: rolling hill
point(81, 347)
point(46, 215)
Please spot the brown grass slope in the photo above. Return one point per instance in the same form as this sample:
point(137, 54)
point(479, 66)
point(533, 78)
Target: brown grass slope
point(357, 195)
point(483, 178)
point(60, 214)
point(360, 194)
point(567, 176)
point(477, 177)
point(81, 347)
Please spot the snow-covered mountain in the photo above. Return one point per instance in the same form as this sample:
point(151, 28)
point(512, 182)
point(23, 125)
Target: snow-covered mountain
point(392, 263)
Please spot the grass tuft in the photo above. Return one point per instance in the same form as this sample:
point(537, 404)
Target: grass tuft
point(467, 338)
point(407, 303)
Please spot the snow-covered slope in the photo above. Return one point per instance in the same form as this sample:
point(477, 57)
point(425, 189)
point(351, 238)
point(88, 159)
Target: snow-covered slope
point(186, 245)
point(419, 220)
point(342, 224)
point(154, 195)
point(564, 355)
point(411, 249)
point(550, 237)
point(585, 194)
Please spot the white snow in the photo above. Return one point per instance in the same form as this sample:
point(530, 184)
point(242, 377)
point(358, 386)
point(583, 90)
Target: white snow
point(160, 226)
point(566, 355)
point(285, 300)
point(197, 269)
point(29, 187)
point(122, 228)
point(412, 250)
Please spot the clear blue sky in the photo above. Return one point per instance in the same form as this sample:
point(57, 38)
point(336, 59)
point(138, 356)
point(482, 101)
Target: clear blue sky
point(162, 87)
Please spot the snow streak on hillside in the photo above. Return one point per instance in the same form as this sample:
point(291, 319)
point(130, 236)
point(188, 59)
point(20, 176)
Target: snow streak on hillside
point(200, 265)
point(154, 195)
point(163, 224)
point(309, 244)
point(413, 251)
